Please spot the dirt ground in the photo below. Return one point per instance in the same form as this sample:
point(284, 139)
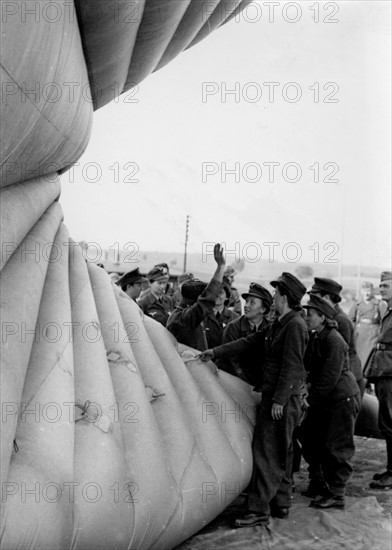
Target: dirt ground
point(370, 457)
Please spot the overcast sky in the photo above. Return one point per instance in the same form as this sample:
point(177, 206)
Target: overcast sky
point(179, 134)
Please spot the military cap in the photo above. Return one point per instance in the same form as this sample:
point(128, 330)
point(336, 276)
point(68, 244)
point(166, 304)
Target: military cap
point(366, 284)
point(321, 305)
point(164, 266)
point(131, 278)
point(192, 288)
point(258, 291)
point(184, 277)
point(291, 282)
point(158, 273)
point(329, 286)
point(386, 275)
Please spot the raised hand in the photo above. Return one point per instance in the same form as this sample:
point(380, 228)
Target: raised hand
point(219, 257)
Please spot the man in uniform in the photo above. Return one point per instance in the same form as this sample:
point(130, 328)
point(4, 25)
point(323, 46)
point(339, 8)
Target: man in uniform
point(330, 291)
point(155, 303)
point(378, 370)
point(246, 365)
point(198, 301)
point(283, 345)
point(131, 283)
point(366, 316)
point(180, 280)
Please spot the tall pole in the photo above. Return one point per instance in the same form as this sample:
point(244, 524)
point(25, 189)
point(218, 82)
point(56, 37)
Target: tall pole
point(186, 241)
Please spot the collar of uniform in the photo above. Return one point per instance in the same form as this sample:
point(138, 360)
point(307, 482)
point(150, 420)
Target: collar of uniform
point(257, 326)
point(151, 298)
point(324, 333)
point(286, 318)
point(245, 325)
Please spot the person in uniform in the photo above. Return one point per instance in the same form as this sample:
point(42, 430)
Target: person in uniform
point(234, 303)
point(378, 370)
point(131, 283)
point(169, 290)
point(217, 320)
point(327, 433)
point(198, 301)
point(330, 291)
point(366, 316)
point(180, 280)
point(155, 303)
point(283, 347)
point(246, 365)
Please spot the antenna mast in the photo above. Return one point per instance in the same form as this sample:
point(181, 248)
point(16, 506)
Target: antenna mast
point(186, 240)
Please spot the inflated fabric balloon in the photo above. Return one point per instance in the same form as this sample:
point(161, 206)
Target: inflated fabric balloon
point(37, 506)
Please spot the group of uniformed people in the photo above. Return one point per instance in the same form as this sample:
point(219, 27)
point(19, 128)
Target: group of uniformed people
point(304, 364)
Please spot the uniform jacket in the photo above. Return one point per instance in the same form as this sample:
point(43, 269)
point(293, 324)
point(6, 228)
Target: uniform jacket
point(327, 362)
point(157, 309)
point(367, 319)
point(186, 323)
point(281, 348)
point(346, 329)
point(379, 364)
point(215, 326)
point(246, 365)
point(369, 313)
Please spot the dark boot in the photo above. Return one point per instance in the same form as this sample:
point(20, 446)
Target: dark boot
point(251, 519)
point(384, 482)
point(279, 512)
point(317, 488)
point(380, 475)
point(332, 501)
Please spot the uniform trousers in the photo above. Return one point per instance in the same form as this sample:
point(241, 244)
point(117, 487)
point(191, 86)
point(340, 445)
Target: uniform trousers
point(327, 437)
point(272, 456)
point(383, 388)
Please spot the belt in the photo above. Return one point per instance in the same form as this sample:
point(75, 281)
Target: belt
point(383, 347)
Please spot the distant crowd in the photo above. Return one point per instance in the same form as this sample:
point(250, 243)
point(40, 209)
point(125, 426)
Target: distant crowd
point(310, 361)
